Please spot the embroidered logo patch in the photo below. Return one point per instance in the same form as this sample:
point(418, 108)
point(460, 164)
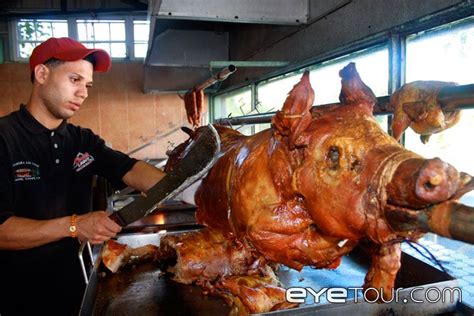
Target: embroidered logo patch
point(26, 171)
point(81, 161)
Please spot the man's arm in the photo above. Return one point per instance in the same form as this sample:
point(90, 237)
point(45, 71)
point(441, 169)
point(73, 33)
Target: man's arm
point(142, 176)
point(18, 233)
point(96, 227)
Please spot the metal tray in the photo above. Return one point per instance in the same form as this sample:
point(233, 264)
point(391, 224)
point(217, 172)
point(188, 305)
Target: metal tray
point(176, 216)
point(143, 290)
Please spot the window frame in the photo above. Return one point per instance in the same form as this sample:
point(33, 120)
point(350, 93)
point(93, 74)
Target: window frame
point(109, 23)
point(73, 33)
point(345, 53)
point(16, 35)
point(134, 41)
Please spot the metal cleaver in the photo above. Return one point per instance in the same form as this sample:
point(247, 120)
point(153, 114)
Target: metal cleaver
point(200, 156)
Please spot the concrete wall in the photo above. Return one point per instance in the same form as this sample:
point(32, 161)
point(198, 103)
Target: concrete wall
point(352, 21)
point(116, 109)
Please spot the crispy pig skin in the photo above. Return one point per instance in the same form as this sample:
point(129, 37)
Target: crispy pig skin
point(226, 267)
point(116, 255)
point(272, 195)
point(208, 255)
point(295, 117)
point(415, 105)
point(252, 294)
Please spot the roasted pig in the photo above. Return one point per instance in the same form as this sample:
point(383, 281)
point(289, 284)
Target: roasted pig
point(416, 105)
point(306, 192)
point(311, 188)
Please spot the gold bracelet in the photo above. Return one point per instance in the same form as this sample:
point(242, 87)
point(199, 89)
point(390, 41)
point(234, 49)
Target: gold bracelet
point(72, 226)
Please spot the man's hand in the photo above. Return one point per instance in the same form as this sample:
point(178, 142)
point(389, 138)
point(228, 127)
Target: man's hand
point(96, 227)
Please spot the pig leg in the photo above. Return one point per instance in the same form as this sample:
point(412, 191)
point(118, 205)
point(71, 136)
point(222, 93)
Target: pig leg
point(383, 271)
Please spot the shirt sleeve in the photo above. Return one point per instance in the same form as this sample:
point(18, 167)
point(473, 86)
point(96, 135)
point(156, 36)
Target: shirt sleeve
point(110, 164)
point(6, 184)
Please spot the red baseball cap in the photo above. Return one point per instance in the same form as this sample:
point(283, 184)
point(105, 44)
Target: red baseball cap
point(67, 49)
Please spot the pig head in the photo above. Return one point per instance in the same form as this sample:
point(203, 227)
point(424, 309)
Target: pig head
point(416, 105)
point(311, 188)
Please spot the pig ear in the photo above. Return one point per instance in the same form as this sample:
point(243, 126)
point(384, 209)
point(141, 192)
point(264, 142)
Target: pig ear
point(353, 89)
point(400, 123)
point(295, 116)
point(416, 111)
point(425, 138)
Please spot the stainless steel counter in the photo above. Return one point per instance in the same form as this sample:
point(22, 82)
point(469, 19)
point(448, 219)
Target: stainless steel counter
point(144, 290)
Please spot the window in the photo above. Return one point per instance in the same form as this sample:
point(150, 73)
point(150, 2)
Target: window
point(30, 33)
point(444, 54)
point(372, 66)
point(110, 35)
point(272, 93)
point(325, 80)
point(106, 34)
point(234, 103)
point(141, 30)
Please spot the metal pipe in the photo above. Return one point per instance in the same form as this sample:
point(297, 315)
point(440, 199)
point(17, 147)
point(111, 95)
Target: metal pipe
point(262, 118)
point(461, 226)
point(253, 64)
point(243, 120)
point(220, 76)
point(451, 98)
point(457, 97)
point(449, 219)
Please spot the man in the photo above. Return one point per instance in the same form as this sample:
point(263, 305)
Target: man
point(46, 170)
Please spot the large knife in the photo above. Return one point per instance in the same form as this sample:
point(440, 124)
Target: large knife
point(200, 156)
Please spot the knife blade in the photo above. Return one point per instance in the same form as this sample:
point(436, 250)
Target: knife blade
point(200, 156)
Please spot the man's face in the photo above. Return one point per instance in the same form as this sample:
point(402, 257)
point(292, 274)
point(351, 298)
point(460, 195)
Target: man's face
point(65, 87)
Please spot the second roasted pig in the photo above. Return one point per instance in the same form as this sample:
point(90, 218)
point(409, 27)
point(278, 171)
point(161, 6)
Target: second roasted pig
point(416, 105)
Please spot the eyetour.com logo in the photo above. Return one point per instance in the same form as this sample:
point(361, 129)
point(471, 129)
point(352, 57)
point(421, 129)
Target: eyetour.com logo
point(337, 295)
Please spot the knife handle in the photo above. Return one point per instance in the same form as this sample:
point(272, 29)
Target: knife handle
point(118, 219)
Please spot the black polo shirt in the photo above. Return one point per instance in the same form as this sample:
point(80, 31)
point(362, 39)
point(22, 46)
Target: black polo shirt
point(45, 174)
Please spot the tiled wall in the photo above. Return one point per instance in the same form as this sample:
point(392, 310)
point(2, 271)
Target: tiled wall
point(116, 109)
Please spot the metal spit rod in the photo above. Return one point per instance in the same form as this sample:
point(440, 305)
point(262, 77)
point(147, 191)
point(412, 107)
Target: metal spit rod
point(451, 99)
point(457, 97)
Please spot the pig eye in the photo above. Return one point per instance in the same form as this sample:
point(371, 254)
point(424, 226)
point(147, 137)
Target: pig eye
point(299, 198)
point(355, 165)
point(332, 157)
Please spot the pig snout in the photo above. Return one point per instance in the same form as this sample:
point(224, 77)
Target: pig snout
point(418, 183)
point(437, 181)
